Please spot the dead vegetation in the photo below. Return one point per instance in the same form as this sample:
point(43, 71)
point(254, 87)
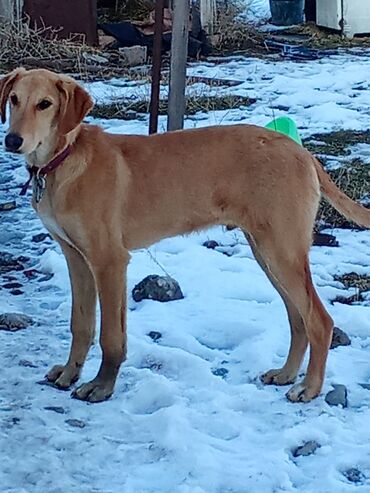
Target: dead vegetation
point(360, 282)
point(20, 45)
point(353, 178)
point(127, 110)
point(232, 33)
point(354, 280)
point(336, 143)
point(324, 39)
point(125, 10)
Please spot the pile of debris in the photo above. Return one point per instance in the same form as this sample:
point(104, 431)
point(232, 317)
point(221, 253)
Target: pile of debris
point(21, 45)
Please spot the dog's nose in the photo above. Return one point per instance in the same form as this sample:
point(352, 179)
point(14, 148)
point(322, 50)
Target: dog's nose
point(13, 142)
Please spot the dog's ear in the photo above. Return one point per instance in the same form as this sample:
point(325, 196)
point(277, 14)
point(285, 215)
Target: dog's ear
point(6, 85)
point(75, 104)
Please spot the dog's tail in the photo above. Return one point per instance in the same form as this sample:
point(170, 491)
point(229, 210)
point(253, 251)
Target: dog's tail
point(340, 201)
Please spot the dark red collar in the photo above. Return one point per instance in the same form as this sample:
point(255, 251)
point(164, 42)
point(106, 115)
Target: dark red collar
point(45, 170)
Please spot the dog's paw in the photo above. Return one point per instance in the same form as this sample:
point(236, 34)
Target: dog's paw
point(277, 376)
point(302, 392)
point(62, 376)
point(95, 391)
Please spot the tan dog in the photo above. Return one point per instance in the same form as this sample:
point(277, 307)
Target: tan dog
point(115, 193)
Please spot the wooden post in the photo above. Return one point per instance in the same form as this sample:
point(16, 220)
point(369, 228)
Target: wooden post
point(7, 8)
point(207, 15)
point(156, 68)
point(179, 51)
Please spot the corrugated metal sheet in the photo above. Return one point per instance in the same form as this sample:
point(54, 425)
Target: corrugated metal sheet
point(72, 16)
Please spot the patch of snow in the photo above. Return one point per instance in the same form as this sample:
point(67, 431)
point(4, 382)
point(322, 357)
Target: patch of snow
point(256, 10)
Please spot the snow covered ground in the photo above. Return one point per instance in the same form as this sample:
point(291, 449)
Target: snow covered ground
point(256, 10)
point(189, 414)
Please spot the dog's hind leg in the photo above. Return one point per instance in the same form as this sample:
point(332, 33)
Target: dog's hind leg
point(110, 275)
point(82, 318)
point(298, 345)
point(287, 264)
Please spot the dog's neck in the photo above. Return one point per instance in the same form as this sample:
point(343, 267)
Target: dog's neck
point(44, 154)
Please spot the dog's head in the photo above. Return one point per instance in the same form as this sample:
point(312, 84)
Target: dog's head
point(43, 106)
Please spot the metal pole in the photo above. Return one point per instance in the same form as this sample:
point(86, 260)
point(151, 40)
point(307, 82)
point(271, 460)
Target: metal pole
point(179, 51)
point(156, 68)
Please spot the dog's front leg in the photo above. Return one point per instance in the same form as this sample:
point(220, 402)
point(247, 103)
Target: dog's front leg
point(110, 277)
point(82, 317)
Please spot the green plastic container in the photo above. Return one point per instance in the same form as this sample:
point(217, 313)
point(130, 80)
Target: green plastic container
point(286, 126)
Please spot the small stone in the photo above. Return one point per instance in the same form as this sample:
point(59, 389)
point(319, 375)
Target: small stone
point(211, 244)
point(9, 262)
point(340, 338)
point(46, 277)
point(158, 288)
point(349, 300)
point(56, 409)
point(14, 321)
point(26, 363)
point(12, 285)
point(337, 397)
point(95, 59)
point(133, 55)
point(354, 475)
point(16, 292)
point(76, 423)
point(40, 237)
point(155, 336)
point(220, 372)
point(323, 239)
point(31, 273)
point(23, 259)
point(8, 206)
point(9, 278)
point(307, 448)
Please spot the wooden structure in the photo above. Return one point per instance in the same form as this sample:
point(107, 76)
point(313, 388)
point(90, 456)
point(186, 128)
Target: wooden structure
point(179, 48)
point(10, 10)
point(69, 17)
point(156, 68)
point(179, 51)
point(208, 11)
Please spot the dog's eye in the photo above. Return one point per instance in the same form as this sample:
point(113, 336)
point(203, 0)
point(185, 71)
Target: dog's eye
point(14, 100)
point(44, 104)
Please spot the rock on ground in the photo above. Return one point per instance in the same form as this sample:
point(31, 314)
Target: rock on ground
point(158, 288)
point(14, 321)
point(211, 244)
point(337, 397)
point(353, 475)
point(307, 448)
point(340, 338)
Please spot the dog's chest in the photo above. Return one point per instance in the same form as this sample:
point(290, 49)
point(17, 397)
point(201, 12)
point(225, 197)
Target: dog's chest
point(46, 213)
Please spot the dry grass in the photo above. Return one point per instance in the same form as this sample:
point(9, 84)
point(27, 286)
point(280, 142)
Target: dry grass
point(354, 280)
point(126, 10)
point(231, 33)
point(353, 178)
point(336, 143)
point(321, 38)
point(40, 48)
point(127, 110)
point(361, 282)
